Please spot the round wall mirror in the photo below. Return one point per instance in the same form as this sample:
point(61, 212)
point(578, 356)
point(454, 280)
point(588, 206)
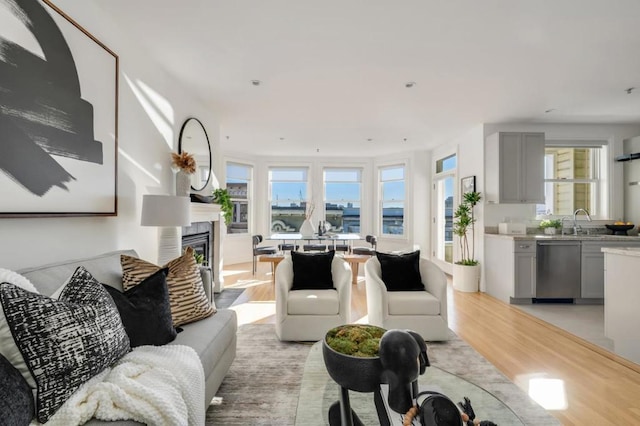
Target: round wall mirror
point(194, 140)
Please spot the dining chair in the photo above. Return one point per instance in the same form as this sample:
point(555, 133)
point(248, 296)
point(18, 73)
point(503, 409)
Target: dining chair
point(370, 251)
point(257, 251)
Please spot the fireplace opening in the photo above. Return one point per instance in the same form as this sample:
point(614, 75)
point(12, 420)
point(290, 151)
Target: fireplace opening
point(199, 236)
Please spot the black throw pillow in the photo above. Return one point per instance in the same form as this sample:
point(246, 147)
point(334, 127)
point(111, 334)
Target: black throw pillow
point(16, 398)
point(312, 271)
point(401, 272)
point(145, 310)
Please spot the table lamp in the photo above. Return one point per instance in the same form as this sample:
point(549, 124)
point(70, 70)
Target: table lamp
point(168, 213)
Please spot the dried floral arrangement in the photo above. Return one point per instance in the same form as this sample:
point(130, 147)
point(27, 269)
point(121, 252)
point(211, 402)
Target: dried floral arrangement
point(184, 162)
point(309, 209)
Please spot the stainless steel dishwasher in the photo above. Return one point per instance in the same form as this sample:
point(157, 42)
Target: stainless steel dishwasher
point(558, 270)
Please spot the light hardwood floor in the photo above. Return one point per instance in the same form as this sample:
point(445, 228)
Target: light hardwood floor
point(599, 387)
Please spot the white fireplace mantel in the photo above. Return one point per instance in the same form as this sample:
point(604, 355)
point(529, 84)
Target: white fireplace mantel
point(202, 212)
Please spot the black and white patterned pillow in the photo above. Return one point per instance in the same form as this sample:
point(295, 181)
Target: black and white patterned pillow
point(64, 342)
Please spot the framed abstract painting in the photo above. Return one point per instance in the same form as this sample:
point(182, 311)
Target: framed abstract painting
point(58, 115)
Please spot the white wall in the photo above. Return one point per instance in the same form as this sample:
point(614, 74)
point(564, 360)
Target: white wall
point(152, 107)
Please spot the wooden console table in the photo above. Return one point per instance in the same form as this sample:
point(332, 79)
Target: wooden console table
point(353, 259)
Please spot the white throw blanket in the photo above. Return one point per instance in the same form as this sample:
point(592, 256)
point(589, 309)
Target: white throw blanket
point(154, 385)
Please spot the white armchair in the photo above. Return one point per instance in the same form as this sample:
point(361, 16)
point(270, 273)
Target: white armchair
point(424, 312)
point(305, 315)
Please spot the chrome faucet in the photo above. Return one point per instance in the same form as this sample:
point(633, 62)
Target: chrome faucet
point(562, 224)
point(577, 227)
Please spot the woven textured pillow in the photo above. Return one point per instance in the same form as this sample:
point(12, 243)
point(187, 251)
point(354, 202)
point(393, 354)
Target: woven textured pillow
point(188, 300)
point(64, 342)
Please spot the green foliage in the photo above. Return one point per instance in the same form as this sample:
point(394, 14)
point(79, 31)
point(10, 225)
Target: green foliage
point(221, 196)
point(199, 258)
point(463, 224)
point(551, 223)
point(358, 340)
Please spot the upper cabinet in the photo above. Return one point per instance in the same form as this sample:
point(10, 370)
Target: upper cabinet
point(514, 168)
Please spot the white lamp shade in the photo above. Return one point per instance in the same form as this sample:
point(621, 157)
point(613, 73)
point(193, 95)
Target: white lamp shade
point(165, 210)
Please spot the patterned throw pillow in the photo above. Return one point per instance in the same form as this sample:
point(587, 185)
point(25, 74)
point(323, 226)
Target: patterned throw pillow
point(188, 300)
point(64, 342)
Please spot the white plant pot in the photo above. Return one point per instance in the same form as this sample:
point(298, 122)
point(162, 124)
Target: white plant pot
point(306, 229)
point(466, 278)
point(550, 231)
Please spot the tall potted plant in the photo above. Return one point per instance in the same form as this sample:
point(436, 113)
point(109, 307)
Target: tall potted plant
point(466, 271)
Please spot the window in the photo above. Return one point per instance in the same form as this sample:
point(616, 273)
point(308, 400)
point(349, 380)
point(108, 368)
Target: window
point(573, 180)
point(238, 185)
point(288, 197)
point(392, 196)
point(342, 189)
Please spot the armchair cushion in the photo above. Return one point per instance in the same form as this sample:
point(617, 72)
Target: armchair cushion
point(312, 271)
point(413, 303)
point(313, 302)
point(401, 272)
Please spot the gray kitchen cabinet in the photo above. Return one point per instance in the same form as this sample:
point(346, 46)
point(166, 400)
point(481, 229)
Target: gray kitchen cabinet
point(592, 284)
point(510, 268)
point(514, 168)
point(524, 257)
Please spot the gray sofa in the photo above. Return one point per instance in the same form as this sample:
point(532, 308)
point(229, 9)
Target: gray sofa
point(213, 338)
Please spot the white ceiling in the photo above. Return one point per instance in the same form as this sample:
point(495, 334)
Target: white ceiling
point(333, 72)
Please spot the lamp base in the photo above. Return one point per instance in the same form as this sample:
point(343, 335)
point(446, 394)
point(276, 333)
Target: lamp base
point(169, 243)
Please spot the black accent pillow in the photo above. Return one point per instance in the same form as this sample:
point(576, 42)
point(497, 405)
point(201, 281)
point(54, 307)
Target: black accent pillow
point(16, 398)
point(312, 271)
point(401, 272)
point(145, 310)
point(64, 342)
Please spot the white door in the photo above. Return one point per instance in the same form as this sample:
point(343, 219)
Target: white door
point(444, 192)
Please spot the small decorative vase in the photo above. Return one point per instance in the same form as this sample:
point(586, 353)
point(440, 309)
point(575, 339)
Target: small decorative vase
point(550, 231)
point(183, 184)
point(306, 229)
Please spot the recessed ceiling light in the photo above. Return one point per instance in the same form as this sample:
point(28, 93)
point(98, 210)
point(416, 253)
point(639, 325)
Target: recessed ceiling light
point(404, 139)
point(410, 84)
point(369, 139)
point(281, 138)
point(629, 90)
point(256, 82)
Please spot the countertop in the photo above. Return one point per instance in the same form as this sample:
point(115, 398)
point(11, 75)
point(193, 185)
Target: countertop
point(597, 237)
point(624, 251)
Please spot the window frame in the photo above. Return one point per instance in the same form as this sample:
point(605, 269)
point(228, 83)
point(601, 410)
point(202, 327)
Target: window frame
point(600, 171)
point(360, 173)
point(380, 169)
point(308, 196)
point(249, 196)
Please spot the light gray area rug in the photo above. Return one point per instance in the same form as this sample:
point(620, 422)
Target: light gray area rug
point(265, 381)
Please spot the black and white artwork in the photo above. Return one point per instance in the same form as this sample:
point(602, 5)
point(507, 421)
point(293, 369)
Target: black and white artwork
point(58, 115)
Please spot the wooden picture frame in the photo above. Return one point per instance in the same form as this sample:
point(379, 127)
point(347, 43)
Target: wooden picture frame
point(467, 184)
point(58, 115)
